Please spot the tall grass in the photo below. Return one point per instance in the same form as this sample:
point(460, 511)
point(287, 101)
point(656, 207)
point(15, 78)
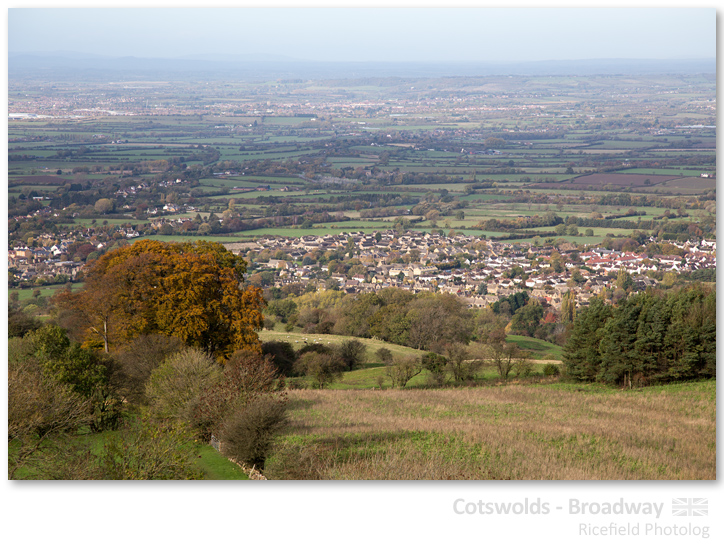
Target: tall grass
point(553, 432)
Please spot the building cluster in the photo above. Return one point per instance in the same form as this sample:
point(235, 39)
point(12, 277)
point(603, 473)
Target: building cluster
point(55, 258)
point(479, 271)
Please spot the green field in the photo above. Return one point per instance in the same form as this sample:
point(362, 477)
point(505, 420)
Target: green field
point(550, 431)
point(298, 340)
point(373, 374)
point(45, 291)
point(537, 348)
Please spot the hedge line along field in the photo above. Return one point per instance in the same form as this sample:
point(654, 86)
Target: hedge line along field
point(554, 432)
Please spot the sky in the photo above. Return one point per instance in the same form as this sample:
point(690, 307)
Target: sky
point(403, 34)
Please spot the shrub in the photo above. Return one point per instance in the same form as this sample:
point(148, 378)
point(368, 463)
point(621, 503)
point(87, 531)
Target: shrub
point(248, 434)
point(20, 323)
point(551, 369)
point(40, 410)
point(324, 369)
point(142, 356)
point(252, 374)
point(282, 355)
point(315, 348)
point(174, 387)
point(435, 364)
point(296, 384)
point(324, 327)
point(246, 377)
point(403, 370)
point(384, 355)
point(353, 353)
point(523, 369)
point(91, 374)
point(463, 362)
point(148, 451)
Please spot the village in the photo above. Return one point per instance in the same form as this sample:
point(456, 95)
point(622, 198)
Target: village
point(479, 271)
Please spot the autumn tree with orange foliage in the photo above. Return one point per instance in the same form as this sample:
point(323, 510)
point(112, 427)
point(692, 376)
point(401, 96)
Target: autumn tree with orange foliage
point(194, 291)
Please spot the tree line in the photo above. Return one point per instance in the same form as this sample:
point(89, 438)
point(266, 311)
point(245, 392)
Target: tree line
point(650, 337)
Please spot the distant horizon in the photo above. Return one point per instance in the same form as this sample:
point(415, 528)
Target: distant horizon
point(235, 57)
point(370, 35)
point(250, 67)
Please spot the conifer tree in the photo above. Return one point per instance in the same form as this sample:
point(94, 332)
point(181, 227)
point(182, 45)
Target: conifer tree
point(581, 355)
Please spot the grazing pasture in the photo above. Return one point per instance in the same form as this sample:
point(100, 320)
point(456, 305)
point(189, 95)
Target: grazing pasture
point(553, 431)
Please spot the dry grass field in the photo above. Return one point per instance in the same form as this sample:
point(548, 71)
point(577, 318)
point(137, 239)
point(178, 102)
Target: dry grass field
point(524, 432)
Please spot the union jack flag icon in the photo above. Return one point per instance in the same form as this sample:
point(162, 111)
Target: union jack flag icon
point(690, 506)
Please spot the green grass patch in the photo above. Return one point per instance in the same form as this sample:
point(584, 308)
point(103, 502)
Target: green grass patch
point(299, 340)
point(45, 291)
point(537, 347)
point(215, 465)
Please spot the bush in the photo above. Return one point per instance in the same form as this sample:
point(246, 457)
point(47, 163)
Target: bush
point(148, 451)
point(353, 353)
point(523, 369)
point(384, 355)
point(246, 377)
point(282, 355)
point(403, 370)
point(142, 356)
point(315, 348)
point(174, 387)
point(248, 434)
point(40, 409)
point(91, 374)
point(140, 451)
point(463, 362)
point(20, 323)
point(435, 364)
point(551, 369)
point(251, 374)
point(324, 369)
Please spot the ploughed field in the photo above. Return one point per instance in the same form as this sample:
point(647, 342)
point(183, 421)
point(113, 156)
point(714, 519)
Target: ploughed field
point(554, 431)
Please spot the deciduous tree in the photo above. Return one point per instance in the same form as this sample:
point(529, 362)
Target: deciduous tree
point(323, 368)
point(403, 370)
point(505, 357)
point(192, 291)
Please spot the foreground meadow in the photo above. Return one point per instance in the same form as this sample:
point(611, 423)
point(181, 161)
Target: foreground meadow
point(555, 432)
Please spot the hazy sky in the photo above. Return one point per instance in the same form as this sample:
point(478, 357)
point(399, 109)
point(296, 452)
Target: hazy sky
point(371, 34)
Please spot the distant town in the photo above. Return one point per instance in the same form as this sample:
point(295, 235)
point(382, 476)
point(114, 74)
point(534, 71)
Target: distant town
point(479, 271)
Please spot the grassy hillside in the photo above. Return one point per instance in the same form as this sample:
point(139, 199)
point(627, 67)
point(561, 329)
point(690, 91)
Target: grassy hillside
point(555, 431)
point(537, 348)
point(372, 374)
point(298, 340)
